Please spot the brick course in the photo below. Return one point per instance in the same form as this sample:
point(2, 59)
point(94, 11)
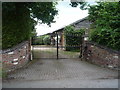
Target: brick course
point(16, 57)
point(101, 55)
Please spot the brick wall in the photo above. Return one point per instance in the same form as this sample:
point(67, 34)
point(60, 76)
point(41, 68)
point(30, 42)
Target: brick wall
point(16, 57)
point(101, 55)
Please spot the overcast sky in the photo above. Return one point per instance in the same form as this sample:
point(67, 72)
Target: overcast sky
point(66, 15)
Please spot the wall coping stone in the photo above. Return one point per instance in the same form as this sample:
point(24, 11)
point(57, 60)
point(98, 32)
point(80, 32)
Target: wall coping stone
point(18, 46)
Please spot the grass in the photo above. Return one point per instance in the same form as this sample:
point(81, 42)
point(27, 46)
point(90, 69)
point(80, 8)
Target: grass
point(69, 52)
point(49, 52)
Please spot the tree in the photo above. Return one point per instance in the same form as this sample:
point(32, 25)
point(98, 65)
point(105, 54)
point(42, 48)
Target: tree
point(18, 20)
point(105, 17)
point(83, 5)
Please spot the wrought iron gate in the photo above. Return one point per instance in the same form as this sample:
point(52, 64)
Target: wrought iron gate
point(62, 46)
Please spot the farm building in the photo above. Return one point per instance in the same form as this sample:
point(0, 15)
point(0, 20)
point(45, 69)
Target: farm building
point(79, 24)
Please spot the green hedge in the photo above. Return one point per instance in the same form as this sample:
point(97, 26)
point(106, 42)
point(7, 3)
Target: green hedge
point(106, 24)
point(73, 38)
point(42, 40)
point(46, 40)
point(38, 40)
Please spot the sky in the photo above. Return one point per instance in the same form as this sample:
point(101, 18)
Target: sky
point(66, 15)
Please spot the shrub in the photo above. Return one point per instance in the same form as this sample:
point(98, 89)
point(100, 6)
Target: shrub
point(73, 38)
point(46, 40)
point(38, 40)
point(106, 19)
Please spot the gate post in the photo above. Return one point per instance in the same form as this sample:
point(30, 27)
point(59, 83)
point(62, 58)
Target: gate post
point(81, 47)
point(57, 46)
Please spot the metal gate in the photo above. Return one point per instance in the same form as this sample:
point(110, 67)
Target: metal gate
point(62, 46)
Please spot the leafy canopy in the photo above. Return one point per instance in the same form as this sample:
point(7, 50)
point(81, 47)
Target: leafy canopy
point(106, 24)
point(18, 20)
point(105, 17)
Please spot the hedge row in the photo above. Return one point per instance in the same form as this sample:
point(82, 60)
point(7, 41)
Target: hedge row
point(73, 38)
point(42, 40)
point(106, 24)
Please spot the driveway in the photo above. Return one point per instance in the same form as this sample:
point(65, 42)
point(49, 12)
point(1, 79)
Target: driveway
point(61, 73)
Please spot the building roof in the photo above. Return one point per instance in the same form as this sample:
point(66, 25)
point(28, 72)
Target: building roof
point(78, 21)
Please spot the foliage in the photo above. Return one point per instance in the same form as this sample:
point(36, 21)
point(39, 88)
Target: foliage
point(18, 20)
point(38, 40)
point(73, 38)
point(46, 40)
point(42, 40)
point(106, 20)
point(83, 5)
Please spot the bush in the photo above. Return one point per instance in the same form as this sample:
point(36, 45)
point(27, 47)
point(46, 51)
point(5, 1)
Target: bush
point(73, 38)
point(106, 37)
point(106, 19)
point(16, 25)
point(42, 40)
point(46, 40)
point(38, 40)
